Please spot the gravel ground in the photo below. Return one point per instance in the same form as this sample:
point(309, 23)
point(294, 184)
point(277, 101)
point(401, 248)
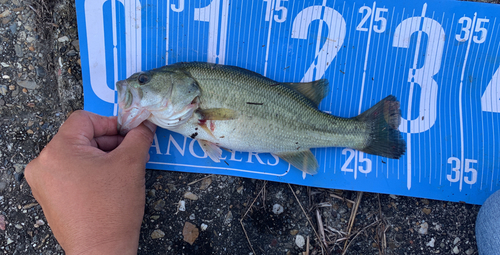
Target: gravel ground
point(40, 85)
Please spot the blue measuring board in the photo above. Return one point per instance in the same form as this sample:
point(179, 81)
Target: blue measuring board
point(440, 58)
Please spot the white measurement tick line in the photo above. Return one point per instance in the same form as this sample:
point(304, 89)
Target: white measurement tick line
point(115, 53)
point(410, 98)
point(462, 151)
point(269, 35)
point(363, 80)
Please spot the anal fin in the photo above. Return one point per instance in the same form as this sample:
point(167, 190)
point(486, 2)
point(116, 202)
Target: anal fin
point(302, 160)
point(212, 150)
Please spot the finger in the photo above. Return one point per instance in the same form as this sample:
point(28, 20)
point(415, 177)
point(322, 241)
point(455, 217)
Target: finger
point(89, 125)
point(107, 143)
point(137, 142)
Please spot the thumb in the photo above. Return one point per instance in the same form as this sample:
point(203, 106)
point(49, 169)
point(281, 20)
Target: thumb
point(135, 146)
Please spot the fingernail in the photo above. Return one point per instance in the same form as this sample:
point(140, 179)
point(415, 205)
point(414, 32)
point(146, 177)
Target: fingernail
point(150, 125)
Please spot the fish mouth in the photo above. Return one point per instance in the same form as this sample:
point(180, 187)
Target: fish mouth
point(130, 113)
point(131, 118)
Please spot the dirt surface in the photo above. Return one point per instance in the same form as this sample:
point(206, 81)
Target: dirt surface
point(40, 85)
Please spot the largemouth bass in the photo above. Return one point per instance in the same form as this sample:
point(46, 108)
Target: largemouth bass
point(237, 109)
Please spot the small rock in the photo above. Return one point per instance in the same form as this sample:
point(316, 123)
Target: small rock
point(5, 13)
point(431, 242)
point(19, 50)
point(190, 195)
point(423, 228)
point(190, 232)
point(2, 103)
point(27, 84)
point(294, 232)
point(157, 234)
point(40, 71)
point(469, 251)
point(5, 77)
point(158, 205)
point(39, 223)
point(456, 240)
point(71, 53)
point(425, 201)
point(4, 64)
point(229, 218)
point(203, 226)
point(456, 250)
point(18, 226)
point(2, 222)
point(426, 211)
point(192, 216)
point(277, 209)
point(30, 39)
point(205, 183)
point(155, 217)
point(76, 44)
point(300, 241)
point(240, 190)
point(13, 27)
point(393, 196)
point(9, 241)
point(3, 185)
point(182, 206)
point(19, 168)
point(63, 39)
point(3, 90)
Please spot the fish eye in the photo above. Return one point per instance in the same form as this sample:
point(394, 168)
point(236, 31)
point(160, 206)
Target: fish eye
point(143, 79)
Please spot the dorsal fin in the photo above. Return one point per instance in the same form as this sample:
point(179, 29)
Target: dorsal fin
point(314, 91)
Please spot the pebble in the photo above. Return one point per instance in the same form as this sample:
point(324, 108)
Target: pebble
point(27, 84)
point(277, 209)
point(240, 190)
point(192, 216)
point(4, 64)
point(469, 251)
point(423, 228)
point(456, 240)
point(426, 211)
point(19, 50)
point(203, 226)
point(63, 39)
point(229, 218)
point(9, 241)
point(3, 185)
point(190, 195)
point(6, 77)
point(158, 205)
point(13, 28)
point(300, 241)
point(76, 44)
point(155, 217)
point(431, 242)
point(393, 196)
point(5, 13)
point(205, 183)
point(18, 226)
point(3, 90)
point(39, 223)
point(2, 222)
point(190, 232)
point(19, 168)
point(157, 234)
point(456, 250)
point(30, 39)
point(182, 206)
point(40, 71)
point(294, 232)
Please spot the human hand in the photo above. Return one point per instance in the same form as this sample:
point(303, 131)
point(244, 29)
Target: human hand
point(90, 182)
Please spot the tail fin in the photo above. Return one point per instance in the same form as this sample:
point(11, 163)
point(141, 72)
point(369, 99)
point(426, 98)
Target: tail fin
point(384, 119)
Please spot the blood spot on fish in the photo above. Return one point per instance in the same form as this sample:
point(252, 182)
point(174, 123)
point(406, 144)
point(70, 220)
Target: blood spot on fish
point(193, 135)
point(202, 122)
point(212, 126)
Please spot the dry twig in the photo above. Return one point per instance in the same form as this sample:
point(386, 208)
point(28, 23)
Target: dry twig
point(353, 215)
point(193, 182)
point(242, 218)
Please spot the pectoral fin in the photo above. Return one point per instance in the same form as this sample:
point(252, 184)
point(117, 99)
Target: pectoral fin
point(212, 150)
point(302, 160)
point(217, 114)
